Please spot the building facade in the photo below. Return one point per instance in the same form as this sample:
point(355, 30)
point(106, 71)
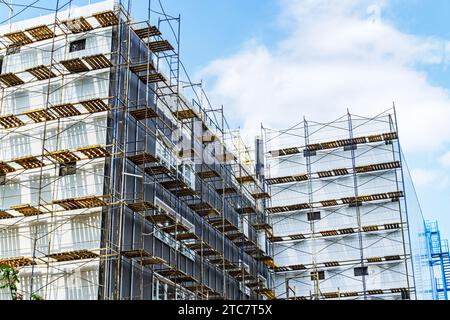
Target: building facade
point(114, 182)
point(346, 221)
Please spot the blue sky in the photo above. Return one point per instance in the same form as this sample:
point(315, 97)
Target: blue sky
point(217, 30)
point(323, 57)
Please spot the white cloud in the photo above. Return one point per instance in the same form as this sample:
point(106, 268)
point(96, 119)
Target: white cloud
point(337, 55)
point(445, 159)
point(425, 178)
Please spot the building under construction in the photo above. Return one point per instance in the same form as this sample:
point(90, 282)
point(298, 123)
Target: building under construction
point(346, 220)
point(118, 180)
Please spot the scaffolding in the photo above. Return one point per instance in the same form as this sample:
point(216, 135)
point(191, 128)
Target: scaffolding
point(439, 259)
point(148, 179)
point(338, 210)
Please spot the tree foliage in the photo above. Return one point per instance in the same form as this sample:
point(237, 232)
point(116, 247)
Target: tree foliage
point(9, 278)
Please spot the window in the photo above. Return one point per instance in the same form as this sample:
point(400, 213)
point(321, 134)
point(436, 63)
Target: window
point(355, 204)
point(77, 45)
point(312, 216)
point(309, 153)
point(319, 275)
point(67, 169)
point(13, 49)
point(1, 64)
point(350, 147)
point(361, 271)
point(406, 295)
point(39, 237)
point(2, 180)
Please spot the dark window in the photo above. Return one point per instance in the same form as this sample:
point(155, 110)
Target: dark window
point(12, 49)
point(319, 275)
point(388, 142)
point(67, 169)
point(361, 271)
point(314, 216)
point(309, 153)
point(1, 64)
point(355, 204)
point(77, 45)
point(406, 295)
point(2, 180)
point(350, 147)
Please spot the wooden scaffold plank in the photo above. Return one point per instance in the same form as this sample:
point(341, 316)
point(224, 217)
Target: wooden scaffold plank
point(285, 152)
point(234, 235)
point(143, 158)
point(287, 179)
point(17, 262)
point(41, 72)
point(222, 224)
point(5, 215)
point(147, 67)
point(186, 114)
point(63, 156)
point(143, 113)
point(246, 210)
point(161, 218)
point(65, 110)
point(75, 65)
point(204, 209)
point(147, 32)
point(141, 206)
point(18, 38)
point(209, 137)
point(260, 195)
point(41, 32)
point(11, 80)
point(262, 226)
point(94, 152)
point(187, 236)
point(270, 294)
point(159, 46)
point(175, 183)
point(78, 25)
point(94, 105)
point(29, 162)
point(226, 191)
point(11, 121)
point(175, 228)
point(153, 261)
point(81, 203)
point(290, 208)
point(98, 61)
point(107, 18)
point(246, 179)
point(176, 275)
point(375, 138)
point(73, 255)
point(157, 170)
point(144, 257)
point(226, 157)
point(208, 174)
point(27, 210)
point(152, 78)
point(39, 115)
point(184, 192)
point(390, 136)
point(5, 168)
